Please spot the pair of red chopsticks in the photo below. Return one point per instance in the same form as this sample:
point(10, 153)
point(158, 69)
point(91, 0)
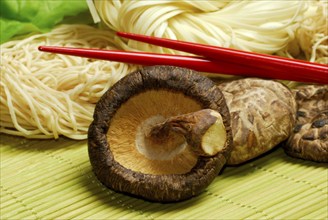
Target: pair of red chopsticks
point(211, 59)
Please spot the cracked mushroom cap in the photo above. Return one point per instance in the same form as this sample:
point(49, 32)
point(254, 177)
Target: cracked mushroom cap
point(262, 115)
point(146, 141)
point(309, 140)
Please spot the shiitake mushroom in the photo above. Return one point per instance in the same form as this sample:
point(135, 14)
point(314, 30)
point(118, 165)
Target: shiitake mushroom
point(309, 140)
point(262, 116)
point(153, 131)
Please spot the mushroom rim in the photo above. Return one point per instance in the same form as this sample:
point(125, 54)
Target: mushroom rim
point(197, 87)
point(119, 178)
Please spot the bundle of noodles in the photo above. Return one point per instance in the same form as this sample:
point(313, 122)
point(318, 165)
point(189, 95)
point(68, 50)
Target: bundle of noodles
point(251, 25)
point(46, 95)
point(311, 42)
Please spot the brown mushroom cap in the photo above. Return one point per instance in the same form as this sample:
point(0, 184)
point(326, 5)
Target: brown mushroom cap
point(309, 139)
point(262, 115)
point(120, 159)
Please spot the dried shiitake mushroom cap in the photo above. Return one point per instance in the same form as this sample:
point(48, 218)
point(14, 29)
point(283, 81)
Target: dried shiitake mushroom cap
point(309, 139)
point(262, 115)
point(152, 134)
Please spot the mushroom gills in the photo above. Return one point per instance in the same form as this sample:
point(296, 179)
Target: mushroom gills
point(142, 109)
point(156, 139)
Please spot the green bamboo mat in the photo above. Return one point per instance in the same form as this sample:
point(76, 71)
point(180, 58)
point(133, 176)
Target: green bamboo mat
point(52, 179)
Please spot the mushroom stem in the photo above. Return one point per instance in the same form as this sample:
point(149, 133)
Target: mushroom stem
point(203, 130)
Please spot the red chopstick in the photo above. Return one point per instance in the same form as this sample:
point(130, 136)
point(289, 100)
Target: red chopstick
point(276, 67)
point(142, 58)
point(231, 61)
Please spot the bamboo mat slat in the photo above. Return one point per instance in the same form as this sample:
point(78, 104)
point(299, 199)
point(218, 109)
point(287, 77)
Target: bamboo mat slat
point(52, 179)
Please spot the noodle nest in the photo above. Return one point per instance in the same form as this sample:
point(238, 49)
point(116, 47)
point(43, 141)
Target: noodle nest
point(45, 95)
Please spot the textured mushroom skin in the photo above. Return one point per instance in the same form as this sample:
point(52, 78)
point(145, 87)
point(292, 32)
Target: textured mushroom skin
point(262, 115)
point(309, 139)
point(162, 188)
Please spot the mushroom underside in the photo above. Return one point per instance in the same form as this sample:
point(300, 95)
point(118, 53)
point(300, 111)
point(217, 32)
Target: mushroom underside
point(126, 157)
point(135, 118)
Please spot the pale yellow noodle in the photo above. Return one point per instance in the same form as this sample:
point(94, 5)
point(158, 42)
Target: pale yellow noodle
point(47, 95)
point(260, 26)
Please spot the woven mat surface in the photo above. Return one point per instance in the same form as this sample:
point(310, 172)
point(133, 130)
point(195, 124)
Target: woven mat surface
point(52, 179)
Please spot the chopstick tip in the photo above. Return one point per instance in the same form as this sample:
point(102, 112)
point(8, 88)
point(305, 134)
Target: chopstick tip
point(121, 33)
point(41, 48)
point(128, 34)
